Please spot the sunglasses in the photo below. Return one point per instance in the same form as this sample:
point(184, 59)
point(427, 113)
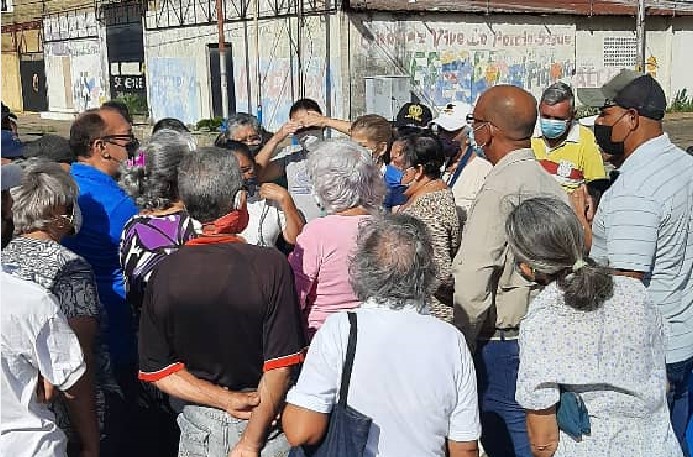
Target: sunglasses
point(131, 146)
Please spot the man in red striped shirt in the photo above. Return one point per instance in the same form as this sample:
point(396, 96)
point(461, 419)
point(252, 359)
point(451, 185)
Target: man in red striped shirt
point(220, 326)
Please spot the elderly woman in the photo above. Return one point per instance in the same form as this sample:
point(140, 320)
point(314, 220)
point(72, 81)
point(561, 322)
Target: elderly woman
point(430, 200)
point(412, 375)
point(44, 211)
point(587, 334)
point(271, 210)
point(244, 128)
point(348, 187)
point(163, 225)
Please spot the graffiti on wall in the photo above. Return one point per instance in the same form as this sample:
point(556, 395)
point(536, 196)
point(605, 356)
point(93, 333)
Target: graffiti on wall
point(276, 80)
point(456, 61)
point(173, 89)
point(85, 75)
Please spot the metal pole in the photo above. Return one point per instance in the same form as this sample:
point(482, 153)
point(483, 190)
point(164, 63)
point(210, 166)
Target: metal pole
point(222, 60)
point(640, 37)
point(299, 46)
point(257, 61)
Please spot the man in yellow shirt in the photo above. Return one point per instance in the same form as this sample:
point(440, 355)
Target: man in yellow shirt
point(566, 149)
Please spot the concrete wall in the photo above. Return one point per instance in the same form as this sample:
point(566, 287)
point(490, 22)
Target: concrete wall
point(11, 82)
point(178, 74)
point(456, 57)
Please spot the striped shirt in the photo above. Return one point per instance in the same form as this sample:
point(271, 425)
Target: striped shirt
point(644, 223)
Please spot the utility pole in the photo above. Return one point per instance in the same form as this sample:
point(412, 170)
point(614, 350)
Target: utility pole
point(640, 38)
point(257, 62)
point(222, 61)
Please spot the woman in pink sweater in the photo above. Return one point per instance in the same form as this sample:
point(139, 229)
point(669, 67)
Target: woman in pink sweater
point(348, 187)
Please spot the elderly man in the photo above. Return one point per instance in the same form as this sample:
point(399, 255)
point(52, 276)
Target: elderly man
point(566, 149)
point(413, 374)
point(490, 296)
point(644, 224)
point(244, 128)
point(220, 321)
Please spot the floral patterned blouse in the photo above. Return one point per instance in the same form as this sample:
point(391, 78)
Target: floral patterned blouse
point(613, 358)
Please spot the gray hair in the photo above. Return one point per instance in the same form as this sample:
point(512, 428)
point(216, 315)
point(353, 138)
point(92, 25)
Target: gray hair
point(241, 120)
point(45, 186)
point(156, 185)
point(393, 262)
point(546, 234)
point(344, 176)
point(558, 93)
point(208, 182)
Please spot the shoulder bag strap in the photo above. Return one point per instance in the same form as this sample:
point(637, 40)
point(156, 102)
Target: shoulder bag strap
point(349, 361)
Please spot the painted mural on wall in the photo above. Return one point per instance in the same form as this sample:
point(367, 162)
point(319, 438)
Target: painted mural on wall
point(173, 89)
point(454, 61)
point(85, 77)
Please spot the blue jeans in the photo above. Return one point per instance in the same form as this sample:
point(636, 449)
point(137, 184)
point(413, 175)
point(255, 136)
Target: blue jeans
point(504, 430)
point(210, 432)
point(678, 374)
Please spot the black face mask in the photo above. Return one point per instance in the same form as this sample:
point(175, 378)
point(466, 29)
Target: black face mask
point(251, 186)
point(132, 147)
point(602, 133)
point(450, 147)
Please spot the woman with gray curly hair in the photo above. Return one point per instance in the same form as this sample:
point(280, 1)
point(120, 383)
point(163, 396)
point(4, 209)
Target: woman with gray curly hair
point(428, 404)
point(348, 188)
point(163, 225)
point(45, 211)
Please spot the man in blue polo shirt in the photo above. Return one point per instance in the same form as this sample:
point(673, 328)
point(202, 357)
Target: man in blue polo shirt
point(102, 140)
point(644, 224)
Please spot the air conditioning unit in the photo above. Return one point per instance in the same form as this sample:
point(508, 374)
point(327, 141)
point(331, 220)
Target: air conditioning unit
point(386, 94)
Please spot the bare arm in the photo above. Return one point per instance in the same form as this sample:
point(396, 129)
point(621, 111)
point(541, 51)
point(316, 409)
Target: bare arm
point(463, 448)
point(184, 385)
point(294, 220)
point(630, 273)
point(267, 170)
point(542, 428)
point(313, 119)
point(272, 389)
point(82, 409)
point(303, 426)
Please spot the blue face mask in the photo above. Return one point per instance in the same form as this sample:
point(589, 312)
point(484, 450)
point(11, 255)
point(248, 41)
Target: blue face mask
point(553, 128)
point(251, 186)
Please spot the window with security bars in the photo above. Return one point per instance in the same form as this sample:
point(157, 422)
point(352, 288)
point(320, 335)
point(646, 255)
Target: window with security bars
point(620, 52)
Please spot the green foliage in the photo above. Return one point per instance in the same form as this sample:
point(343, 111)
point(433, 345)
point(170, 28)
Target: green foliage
point(213, 125)
point(137, 104)
point(682, 102)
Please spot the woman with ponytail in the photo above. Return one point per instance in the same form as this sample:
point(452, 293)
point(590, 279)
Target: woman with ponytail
point(592, 335)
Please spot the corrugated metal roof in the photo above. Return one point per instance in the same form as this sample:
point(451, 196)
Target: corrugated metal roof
point(573, 7)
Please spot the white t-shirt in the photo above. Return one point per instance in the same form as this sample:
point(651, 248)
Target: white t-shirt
point(34, 337)
point(469, 183)
point(266, 222)
point(412, 375)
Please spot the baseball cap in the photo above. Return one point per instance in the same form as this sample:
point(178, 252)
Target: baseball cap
point(630, 90)
point(454, 116)
point(11, 176)
point(414, 114)
point(10, 147)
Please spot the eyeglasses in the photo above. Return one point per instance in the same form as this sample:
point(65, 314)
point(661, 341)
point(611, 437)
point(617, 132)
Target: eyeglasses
point(131, 146)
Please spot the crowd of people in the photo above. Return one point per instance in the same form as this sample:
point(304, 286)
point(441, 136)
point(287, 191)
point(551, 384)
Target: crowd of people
point(496, 279)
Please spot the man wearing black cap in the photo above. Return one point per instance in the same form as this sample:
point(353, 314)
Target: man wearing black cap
point(414, 115)
point(643, 227)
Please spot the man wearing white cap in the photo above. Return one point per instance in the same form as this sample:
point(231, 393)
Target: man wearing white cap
point(465, 171)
